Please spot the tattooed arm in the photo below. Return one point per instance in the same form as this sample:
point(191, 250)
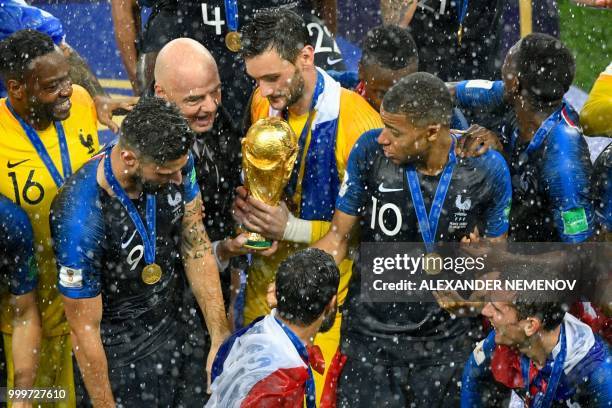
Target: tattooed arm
point(80, 73)
point(201, 269)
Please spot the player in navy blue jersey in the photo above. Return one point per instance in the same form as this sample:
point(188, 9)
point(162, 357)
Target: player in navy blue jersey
point(547, 357)
point(19, 279)
point(549, 158)
point(128, 234)
point(392, 174)
point(602, 189)
point(389, 54)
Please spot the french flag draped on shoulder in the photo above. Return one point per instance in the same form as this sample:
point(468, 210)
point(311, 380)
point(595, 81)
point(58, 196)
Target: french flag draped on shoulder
point(259, 366)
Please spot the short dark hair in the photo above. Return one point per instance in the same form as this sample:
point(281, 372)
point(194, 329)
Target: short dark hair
point(19, 49)
point(423, 97)
point(551, 314)
point(545, 68)
point(156, 129)
point(280, 29)
point(305, 284)
point(390, 47)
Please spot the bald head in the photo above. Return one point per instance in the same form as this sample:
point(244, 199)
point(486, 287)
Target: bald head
point(186, 74)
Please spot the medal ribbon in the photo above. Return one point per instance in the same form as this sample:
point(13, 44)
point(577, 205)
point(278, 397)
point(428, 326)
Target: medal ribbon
point(42, 151)
point(148, 238)
point(462, 8)
point(292, 184)
point(544, 400)
point(311, 395)
point(429, 225)
point(542, 132)
point(231, 14)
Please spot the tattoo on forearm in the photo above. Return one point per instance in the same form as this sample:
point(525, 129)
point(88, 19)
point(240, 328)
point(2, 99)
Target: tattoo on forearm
point(81, 74)
point(195, 242)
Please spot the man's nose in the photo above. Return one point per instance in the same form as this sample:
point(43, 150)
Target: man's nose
point(210, 104)
point(177, 178)
point(266, 91)
point(382, 138)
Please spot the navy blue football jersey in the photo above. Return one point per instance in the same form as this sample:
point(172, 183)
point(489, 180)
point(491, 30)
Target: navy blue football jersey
point(602, 185)
point(100, 252)
point(17, 263)
point(551, 175)
point(376, 190)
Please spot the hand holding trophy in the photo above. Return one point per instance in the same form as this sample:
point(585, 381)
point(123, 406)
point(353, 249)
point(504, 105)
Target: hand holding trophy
point(269, 152)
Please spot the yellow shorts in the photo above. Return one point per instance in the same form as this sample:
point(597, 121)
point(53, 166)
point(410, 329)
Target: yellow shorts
point(54, 368)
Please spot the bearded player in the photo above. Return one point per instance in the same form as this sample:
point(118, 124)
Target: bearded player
point(49, 130)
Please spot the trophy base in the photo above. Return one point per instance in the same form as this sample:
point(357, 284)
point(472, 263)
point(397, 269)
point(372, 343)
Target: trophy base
point(258, 245)
point(257, 242)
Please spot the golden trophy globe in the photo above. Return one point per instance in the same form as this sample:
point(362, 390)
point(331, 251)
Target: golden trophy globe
point(269, 151)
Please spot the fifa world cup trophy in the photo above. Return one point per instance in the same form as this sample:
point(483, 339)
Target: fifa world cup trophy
point(269, 151)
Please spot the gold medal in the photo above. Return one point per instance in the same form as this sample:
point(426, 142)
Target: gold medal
point(232, 41)
point(459, 34)
point(432, 264)
point(151, 274)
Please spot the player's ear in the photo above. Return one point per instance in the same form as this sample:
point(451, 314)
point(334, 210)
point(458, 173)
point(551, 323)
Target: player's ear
point(432, 132)
point(159, 91)
point(129, 157)
point(306, 56)
point(15, 88)
point(531, 326)
point(514, 85)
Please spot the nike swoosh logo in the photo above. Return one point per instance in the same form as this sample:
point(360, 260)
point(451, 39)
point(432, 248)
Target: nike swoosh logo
point(333, 61)
point(383, 189)
point(124, 245)
point(11, 165)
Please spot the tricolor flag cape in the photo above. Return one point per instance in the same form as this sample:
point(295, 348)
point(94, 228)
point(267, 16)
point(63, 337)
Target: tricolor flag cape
point(258, 366)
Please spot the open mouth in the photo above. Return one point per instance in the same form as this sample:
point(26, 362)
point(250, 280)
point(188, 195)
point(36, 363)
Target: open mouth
point(63, 106)
point(205, 120)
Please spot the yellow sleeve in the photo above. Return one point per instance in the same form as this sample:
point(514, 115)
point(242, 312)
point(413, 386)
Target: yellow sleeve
point(596, 115)
point(356, 118)
point(318, 230)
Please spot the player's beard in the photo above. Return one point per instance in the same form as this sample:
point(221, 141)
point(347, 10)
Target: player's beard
point(146, 186)
point(329, 320)
point(296, 88)
point(41, 112)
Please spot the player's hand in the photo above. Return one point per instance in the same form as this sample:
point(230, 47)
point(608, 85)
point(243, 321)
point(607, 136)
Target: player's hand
point(257, 216)
point(231, 247)
point(105, 106)
point(212, 353)
point(454, 303)
point(476, 141)
point(22, 404)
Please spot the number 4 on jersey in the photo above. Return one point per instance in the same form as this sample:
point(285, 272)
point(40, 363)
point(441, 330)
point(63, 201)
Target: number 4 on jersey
point(217, 22)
